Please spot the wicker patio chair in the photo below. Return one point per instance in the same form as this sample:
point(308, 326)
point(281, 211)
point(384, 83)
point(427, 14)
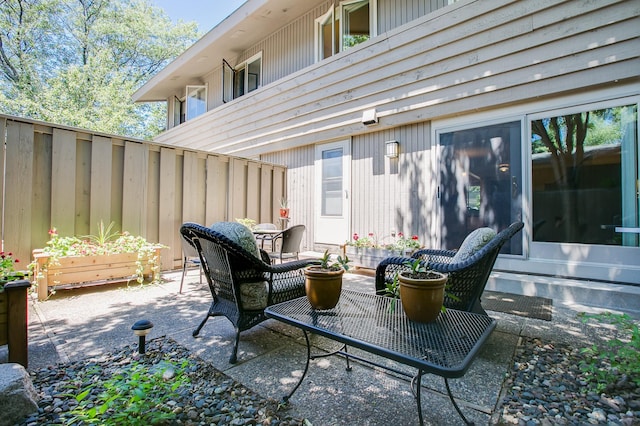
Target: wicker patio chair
point(467, 278)
point(242, 284)
point(190, 258)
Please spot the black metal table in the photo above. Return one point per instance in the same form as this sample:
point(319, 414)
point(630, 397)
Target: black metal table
point(372, 323)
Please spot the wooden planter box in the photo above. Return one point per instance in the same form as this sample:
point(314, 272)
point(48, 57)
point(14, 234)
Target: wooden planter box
point(13, 320)
point(370, 257)
point(76, 271)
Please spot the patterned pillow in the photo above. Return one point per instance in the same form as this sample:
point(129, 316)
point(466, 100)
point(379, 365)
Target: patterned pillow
point(253, 296)
point(239, 234)
point(474, 242)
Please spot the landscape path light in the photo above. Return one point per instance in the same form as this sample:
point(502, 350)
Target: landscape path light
point(141, 329)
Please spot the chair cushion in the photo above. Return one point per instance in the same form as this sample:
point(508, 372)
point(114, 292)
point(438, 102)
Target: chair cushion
point(474, 242)
point(239, 234)
point(254, 296)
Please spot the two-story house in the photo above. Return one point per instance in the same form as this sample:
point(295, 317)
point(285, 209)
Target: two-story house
point(432, 117)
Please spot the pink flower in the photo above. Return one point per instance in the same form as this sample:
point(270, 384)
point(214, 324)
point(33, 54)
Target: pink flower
point(371, 234)
point(400, 234)
point(355, 237)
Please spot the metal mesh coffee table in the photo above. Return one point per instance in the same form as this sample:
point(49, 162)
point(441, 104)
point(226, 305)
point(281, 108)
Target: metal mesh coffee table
point(374, 324)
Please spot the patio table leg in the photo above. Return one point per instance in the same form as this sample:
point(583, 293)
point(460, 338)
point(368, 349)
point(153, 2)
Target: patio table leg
point(416, 381)
point(286, 398)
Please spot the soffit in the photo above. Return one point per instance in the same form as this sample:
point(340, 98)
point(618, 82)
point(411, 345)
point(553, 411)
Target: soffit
point(249, 24)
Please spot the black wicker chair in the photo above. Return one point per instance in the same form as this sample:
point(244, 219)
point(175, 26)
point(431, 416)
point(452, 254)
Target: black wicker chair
point(467, 279)
point(228, 266)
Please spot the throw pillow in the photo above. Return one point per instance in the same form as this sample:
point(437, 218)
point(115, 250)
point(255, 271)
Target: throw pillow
point(474, 242)
point(254, 296)
point(239, 234)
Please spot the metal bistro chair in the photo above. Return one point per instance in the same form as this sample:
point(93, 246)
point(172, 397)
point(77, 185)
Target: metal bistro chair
point(190, 258)
point(467, 278)
point(242, 285)
point(289, 240)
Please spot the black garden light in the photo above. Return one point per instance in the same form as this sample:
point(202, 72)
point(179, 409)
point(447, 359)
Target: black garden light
point(141, 329)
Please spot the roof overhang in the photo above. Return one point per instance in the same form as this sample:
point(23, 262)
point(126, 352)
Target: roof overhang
point(245, 27)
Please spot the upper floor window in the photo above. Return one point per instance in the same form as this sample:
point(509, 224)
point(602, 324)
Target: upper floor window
point(196, 101)
point(242, 79)
point(351, 23)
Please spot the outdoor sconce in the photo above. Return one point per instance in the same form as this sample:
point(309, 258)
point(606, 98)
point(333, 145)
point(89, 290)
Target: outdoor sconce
point(392, 148)
point(503, 167)
point(141, 329)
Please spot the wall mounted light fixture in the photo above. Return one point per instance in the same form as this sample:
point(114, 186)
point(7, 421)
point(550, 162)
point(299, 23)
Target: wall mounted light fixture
point(392, 148)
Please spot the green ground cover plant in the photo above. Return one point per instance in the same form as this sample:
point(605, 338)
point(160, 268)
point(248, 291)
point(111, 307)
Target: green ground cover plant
point(618, 358)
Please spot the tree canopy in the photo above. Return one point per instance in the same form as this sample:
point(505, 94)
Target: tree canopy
point(77, 62)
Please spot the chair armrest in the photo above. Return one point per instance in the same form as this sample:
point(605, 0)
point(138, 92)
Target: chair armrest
point(386, 269)
point(434, 255)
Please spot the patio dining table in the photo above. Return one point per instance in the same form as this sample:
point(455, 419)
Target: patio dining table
point(263, 235)
point(378, 325)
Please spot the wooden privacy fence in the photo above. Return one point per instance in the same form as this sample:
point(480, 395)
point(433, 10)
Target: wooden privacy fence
point(72, 179)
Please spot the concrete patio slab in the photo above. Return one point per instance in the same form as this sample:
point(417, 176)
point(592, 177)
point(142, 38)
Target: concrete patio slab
point(74, 324)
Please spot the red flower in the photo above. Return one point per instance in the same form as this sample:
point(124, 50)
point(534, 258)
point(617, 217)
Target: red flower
point(16, 261)
point(371, 234)
point(400, 234)
point(415, 237)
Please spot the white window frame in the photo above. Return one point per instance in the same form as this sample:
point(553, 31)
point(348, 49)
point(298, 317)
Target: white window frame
point(189, 115)
point(335, 14)
point(373, 18)
point(229, 87)
point(320, 22)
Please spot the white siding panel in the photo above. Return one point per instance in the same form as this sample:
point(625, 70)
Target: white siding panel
point(455, 60)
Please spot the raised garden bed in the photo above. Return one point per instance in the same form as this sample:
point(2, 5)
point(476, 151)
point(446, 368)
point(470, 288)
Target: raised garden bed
point(76, 271)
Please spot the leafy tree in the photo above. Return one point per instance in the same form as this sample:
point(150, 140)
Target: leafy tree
point(77, 62)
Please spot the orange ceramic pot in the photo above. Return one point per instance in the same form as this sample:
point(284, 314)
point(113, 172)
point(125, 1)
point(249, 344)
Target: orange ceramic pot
point(323, 287)
point(422, 297)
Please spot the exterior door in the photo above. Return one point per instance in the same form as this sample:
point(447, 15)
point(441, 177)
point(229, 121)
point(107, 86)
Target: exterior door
point(480, 182)
point(332, 190)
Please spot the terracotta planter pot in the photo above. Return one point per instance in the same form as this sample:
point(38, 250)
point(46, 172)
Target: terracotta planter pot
point(323, 287)
point(422, 298)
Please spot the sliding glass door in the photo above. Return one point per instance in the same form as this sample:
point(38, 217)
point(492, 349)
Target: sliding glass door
point(480, 182)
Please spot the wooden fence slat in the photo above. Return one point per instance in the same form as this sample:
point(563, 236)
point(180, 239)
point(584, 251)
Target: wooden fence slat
point(168, 228)
point(134, 194)
point(101, 160)
point(217, 195)
point(18, 190)
point(63, 181)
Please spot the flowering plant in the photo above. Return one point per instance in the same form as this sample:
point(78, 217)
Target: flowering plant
point(403, 243)
point(369, 241)
point(8, 268)
point(105, 242)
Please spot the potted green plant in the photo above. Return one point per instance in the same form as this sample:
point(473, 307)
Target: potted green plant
point(421, 291)
point(323, 282)
point(13, 309)
point(284, 208)
point(108, 256)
